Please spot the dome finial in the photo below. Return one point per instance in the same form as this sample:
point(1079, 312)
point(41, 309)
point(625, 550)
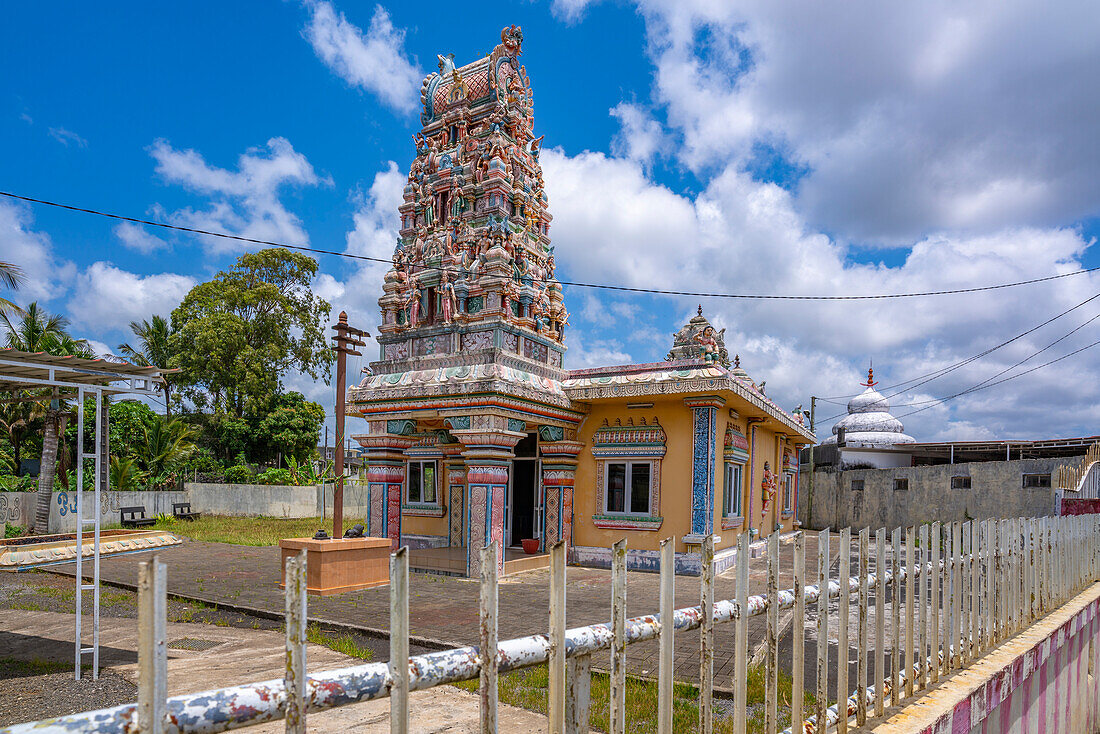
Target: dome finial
point(737, 361)
point(699, 311)
point(870, 376)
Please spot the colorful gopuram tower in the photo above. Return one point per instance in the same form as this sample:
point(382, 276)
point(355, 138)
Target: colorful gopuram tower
point(473, 268)
point(472, 319)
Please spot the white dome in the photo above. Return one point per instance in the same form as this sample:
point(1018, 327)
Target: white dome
point(869, 401)
point(869, 423)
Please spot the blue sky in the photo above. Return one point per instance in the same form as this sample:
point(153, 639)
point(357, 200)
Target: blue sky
point(832, 149)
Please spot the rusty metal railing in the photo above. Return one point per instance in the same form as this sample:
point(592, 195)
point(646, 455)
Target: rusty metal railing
point(996, 578)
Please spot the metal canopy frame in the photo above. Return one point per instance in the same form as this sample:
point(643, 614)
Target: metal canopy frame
point(29, 370)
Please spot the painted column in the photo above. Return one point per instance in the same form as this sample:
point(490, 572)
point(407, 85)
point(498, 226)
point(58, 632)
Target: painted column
point(559, 469)
point(386, 464)
point(488, 456)
point(704, 411)
point(455, 494)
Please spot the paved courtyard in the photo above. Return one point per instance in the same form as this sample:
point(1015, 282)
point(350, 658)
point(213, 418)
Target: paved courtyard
point(444, 610)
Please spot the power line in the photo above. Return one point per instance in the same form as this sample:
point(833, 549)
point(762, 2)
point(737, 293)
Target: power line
point(1007, 379)
point(575, 284)
point(936, 374)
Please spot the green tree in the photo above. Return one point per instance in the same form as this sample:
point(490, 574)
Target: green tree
point(39, 331)
point(236, 336)
point(11, 276)
point(16, 421)
point(125, 475)
point(166, 442)
point(289, 428)
point(154, 348)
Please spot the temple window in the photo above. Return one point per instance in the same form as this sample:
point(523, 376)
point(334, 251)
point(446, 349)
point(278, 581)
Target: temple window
point(628, 474)
point(1036, 480)
point(421, 487)
point(628, 487)
point(453, 134)
point(788, 491)
point(443, 209)
point(733, 488)
point(960, 482)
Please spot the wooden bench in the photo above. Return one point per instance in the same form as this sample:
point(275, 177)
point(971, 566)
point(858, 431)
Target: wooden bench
point(134, 517)
point(182, 511)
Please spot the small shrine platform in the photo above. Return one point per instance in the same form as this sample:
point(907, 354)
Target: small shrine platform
point(452, 561)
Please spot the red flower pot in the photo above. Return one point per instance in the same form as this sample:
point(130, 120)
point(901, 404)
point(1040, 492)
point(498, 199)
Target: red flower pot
point(530, 546)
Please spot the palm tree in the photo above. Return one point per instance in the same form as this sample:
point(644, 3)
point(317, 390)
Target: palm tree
point(15, 422)
point(125, 475)
point(40, 331)
point(154, 349)
point(11, 276)
point(165, 441)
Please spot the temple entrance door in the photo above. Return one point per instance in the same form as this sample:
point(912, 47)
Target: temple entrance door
point(522, 512)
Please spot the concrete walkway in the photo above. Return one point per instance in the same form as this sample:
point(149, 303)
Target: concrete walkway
point(444, 610)
point(228, 656)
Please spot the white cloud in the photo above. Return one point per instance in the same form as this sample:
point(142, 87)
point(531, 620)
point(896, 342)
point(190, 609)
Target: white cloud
point(246, 201)
point(739, 235)
point(640, 136)
point(107, 298)
point(375, 62)
point(376, 222)
point(67, 137)
point(570, 10)
point(138, 238)
point(602, 354)
point(47, 276)
point(911, 119)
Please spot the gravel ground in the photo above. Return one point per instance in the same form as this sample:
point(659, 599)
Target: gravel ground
point(34, 697)
point(43, 688)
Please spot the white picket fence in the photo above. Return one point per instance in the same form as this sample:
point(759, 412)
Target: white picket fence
point(950, 592)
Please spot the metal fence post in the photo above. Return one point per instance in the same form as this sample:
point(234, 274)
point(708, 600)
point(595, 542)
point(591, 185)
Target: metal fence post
point(617, 713)
point(798, 632)
point(399, 640)
point(706, 638)
point(557, 639)
point(880, 618)
point(740, 642)
point(922, 609)
point(578, 693)
point(895, 609)
point(935, 576)
point(864, 604)
point(911, 566)
point(822, 627)
point(152, 650)
point(294, 586)
point(668, 636)
point(488, 629)
point(842, 653)
point(771, 639)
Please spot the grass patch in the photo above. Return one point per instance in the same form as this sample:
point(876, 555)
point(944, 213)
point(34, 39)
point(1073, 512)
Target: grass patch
point(15, 668)
point(27, 606)
point(529, 689)
point(246, 530)
point(340, 642)
point(61, 594)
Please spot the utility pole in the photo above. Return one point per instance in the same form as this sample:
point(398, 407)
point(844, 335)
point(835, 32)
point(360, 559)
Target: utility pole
point(810, 494)
point(347, 337)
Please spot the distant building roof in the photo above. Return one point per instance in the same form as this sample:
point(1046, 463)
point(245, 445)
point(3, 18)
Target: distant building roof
point(869, 423)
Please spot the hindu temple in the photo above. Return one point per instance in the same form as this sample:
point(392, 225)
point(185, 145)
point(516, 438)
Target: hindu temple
point(476, 432)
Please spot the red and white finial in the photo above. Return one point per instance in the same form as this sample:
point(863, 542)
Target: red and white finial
point(870, 376)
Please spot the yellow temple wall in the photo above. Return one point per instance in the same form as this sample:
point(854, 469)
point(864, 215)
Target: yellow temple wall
point(675, 487)
point(420, 525)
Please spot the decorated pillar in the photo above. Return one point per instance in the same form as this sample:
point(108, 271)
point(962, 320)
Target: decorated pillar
point(559, 469)
point(488, 455)
point(455, 492)
point(386, 464)
point(704, 410)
